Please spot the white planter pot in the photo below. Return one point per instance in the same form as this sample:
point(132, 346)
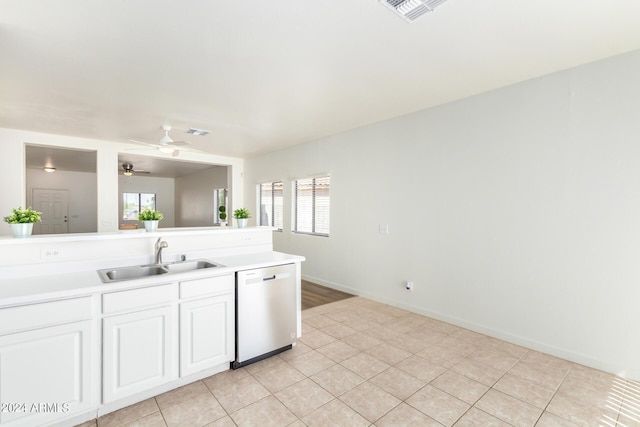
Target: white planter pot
point(151, 226)
point(242, 222)
point(21, 230)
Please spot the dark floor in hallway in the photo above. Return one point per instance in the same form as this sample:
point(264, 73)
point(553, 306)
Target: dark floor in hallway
point(314, 295)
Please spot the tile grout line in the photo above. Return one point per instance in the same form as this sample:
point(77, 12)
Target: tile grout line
point(473, 405)
point(222, 406)
point(384, 341)
point(555, 392)
point(427, 383)
point(164, 420)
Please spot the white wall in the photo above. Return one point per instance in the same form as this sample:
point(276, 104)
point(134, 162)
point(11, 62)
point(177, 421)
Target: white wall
point(515, 212)
point(194, 196)
point(163, 188)
point(81, 186)
point(13, 171)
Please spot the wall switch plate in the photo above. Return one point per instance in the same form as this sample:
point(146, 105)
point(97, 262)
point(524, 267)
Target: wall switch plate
point(383, 228)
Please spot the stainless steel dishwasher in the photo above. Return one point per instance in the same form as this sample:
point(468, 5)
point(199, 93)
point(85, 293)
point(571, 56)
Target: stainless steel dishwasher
point(266, 307)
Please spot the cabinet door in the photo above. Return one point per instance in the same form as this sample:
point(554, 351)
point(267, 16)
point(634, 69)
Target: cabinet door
point(138, 352)
point(206, 333)
point(46, 374)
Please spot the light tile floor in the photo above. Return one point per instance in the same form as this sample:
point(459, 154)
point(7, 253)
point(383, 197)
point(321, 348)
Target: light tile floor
point(362, 363)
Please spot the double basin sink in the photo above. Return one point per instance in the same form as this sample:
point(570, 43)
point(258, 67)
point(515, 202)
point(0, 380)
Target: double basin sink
point(111, 275)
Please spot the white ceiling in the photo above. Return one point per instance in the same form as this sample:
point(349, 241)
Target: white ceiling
point(263, 75)
point(39, 157)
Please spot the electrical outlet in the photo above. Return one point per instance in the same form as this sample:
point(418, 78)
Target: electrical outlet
point(50, 253)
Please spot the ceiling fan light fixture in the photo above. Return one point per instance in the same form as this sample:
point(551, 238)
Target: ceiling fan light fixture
point(127, 173)
point(49, 169)
point(166, 150)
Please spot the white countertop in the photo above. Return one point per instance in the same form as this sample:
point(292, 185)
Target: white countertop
point(34, 287)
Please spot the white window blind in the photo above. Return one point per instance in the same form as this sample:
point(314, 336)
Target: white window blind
point(271, 204)
point(312, 205)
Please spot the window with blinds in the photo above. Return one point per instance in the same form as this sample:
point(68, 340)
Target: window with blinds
point(134, 203)
point(312, 205)
point(271, 204)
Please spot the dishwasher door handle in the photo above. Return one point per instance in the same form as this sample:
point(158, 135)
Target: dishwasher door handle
point(254, 280)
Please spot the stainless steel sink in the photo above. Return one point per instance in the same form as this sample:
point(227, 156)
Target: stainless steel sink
point(182, 266)
point(110, 275)
point(132, 272)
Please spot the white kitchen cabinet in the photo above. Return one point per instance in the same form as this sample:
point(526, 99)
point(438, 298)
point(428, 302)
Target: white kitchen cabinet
point(138, 346)
point(207, 323)
point(46, 372)
point(206, 338)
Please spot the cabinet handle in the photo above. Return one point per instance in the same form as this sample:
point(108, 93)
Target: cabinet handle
point(264, 279)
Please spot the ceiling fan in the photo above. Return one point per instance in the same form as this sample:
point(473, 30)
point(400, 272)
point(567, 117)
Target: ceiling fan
point(128, 170)
point(166, 144)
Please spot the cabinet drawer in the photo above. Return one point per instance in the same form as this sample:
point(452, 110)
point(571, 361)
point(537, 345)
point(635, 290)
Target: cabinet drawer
point(137, 298)
point(207, 286)
point(34, 316)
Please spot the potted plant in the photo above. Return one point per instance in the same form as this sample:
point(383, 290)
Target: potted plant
point(222, 215)
point(22, 220)
point(150, 218)
point(242, 215)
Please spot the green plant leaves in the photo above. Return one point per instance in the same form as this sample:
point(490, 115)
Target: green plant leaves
point(23, 216)
point(241, 213)
point(150, 215)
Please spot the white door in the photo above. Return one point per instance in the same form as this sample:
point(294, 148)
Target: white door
point(138, 352)
point(46, 374)
point(54, 205)
point(206, 333)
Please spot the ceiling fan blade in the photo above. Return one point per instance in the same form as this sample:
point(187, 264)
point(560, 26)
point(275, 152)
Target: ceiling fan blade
point(145, 143)
point(193, 150)
point(128, 170)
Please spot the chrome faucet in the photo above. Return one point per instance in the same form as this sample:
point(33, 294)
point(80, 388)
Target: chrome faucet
point(160, 245)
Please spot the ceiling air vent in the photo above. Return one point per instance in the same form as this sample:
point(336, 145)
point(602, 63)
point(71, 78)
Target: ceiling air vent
point(410, 10)
point(200, 132)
